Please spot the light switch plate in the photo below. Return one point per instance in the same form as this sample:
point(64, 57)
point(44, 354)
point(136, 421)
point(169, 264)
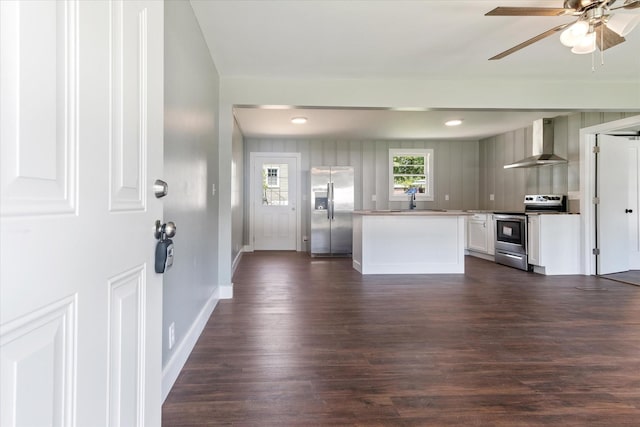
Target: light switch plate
point(492, 197)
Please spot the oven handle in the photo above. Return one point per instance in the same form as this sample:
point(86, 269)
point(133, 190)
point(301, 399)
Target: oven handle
point(511, 256)
point(510, 217)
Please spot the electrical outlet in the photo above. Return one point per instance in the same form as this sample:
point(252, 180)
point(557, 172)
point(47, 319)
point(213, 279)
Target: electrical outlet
point(172, 335)
point(446, 197)
point(305, 238)
point(213, 189)
point(373, 197)
point(492, 197)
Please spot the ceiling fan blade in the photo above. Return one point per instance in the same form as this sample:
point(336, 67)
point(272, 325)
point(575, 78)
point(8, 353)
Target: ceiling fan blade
point(531, 41)
point(528, 11)
point(631, 4)
point(607, 38)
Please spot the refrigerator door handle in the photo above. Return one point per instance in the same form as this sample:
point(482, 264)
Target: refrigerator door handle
point(328, 200)
point(333, 203)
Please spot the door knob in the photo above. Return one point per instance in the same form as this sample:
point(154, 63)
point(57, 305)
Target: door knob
point(165, 231)
point(628, 211)
point(160, 188)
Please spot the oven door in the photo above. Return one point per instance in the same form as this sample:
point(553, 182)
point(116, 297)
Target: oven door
point(511, 233)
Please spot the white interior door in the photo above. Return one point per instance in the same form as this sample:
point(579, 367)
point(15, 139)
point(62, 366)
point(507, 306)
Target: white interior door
point(633, 205)
point(275, 203)
point(81, 143)
point(612, 228)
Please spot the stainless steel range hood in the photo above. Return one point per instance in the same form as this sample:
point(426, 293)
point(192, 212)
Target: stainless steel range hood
point(542, 147)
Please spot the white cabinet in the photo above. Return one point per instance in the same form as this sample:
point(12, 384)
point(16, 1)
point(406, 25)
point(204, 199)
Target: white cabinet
point(533, 239)
point(480, 231)
point(477, 232)
point(491, 235)
point(553, 243)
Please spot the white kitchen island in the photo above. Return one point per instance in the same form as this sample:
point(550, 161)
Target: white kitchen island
point(409, 242)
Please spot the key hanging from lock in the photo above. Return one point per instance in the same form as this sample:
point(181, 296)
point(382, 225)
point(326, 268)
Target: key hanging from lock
point(164, 248)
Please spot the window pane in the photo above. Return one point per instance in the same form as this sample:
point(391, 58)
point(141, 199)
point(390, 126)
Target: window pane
point(408, 170)
point(272, 177)
point(408, 165)
point(402, 183)
point(275, 184)
point(408, 160)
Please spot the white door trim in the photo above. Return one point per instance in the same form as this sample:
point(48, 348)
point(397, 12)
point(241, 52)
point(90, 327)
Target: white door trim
point(588, 186)
point(252, 162)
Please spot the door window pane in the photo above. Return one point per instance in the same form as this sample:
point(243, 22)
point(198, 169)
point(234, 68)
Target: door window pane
point(275, 184)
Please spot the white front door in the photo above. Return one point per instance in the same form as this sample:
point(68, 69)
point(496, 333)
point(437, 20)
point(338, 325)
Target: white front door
point(633, 205)
point(81, 144)
point(274, 199)
point(612, 219)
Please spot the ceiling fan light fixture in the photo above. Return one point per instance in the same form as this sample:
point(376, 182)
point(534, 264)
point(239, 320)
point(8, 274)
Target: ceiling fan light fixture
point(623, 23)
point(586, 45)
point(574, 33)
point(454, 122)
point(299, 120)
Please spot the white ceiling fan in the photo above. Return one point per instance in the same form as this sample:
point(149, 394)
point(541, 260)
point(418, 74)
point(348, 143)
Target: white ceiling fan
point(596, 26)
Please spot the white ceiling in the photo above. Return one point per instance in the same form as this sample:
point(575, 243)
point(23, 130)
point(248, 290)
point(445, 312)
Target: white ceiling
point(382, 124)
point(426, 39)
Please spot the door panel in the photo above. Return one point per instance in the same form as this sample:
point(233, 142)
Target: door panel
point(320, 210)
point(612, 227)
point(39, 109)
point(342, 179)
point(342, 232)
point(342, 216)
point(634, 204)
point(275, 218)
point(81, 141)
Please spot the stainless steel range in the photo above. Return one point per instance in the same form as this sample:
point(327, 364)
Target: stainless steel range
point(511, 228)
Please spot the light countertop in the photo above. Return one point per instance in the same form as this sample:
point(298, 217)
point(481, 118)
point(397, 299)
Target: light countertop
point(413, 212)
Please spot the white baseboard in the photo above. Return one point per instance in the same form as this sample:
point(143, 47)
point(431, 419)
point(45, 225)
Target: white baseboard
point(226, 291)
point(236, 261)
point(179, 358)
point(247, 248)
point(481, 255)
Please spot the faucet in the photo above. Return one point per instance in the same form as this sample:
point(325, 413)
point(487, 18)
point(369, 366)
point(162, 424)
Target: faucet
point(412, 197)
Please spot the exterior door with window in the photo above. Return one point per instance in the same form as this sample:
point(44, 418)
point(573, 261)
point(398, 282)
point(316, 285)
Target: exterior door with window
point(81, 142)
point(274, 199)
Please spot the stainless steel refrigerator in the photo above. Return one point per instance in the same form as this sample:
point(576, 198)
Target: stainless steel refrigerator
point(331, 210)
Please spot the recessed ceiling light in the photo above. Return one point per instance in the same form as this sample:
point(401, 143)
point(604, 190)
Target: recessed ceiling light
point(299, 120)
point(455, 122)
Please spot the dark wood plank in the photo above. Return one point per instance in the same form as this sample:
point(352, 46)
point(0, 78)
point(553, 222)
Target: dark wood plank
point(312, 342)
point(631, 277)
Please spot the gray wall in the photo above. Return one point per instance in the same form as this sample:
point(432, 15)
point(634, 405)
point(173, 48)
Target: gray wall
point(510, 185)
point(237, 192)
point(456, 170)
point(190, 156)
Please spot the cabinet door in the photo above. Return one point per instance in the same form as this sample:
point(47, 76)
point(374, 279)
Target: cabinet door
point(491, 235)
point(533, 241)
point(478, 233)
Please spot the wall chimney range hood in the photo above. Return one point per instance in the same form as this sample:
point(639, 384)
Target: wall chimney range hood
point(542, 147)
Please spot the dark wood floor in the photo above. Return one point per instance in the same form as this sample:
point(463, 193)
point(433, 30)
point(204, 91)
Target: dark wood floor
point(310, 342)
point(631, 277)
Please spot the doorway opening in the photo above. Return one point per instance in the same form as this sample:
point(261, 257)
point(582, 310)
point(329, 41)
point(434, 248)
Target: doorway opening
point(609, 186)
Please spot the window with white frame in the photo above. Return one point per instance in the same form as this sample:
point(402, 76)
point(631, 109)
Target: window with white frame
point(409, 169)
point(272, 177)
